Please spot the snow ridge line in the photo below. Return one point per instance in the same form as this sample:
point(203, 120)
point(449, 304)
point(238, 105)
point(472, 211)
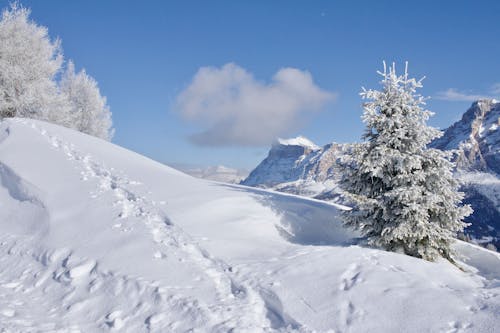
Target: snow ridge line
point(250, 310)
point(17, 187)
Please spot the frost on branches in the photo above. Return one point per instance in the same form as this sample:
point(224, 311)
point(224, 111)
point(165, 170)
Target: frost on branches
point(404, 194)
point(29, 65)
point(29, 61)
point(89, 110)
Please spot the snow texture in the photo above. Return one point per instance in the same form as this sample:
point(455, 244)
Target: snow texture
point(95, 238)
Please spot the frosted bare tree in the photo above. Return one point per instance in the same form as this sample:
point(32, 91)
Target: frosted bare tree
point(90, 113)
point(29, 61)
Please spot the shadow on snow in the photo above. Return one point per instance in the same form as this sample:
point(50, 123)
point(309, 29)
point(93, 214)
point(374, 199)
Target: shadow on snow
point(303, 221)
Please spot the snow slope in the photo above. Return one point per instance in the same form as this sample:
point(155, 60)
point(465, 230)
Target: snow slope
point(97, 238)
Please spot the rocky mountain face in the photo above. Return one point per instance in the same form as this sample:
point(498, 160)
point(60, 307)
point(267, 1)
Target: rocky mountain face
point(298, 166)
point(476, 137)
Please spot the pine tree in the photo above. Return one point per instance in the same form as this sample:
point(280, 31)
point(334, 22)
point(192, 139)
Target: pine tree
point(404, 195)
point(89, 110)
point(29, 62)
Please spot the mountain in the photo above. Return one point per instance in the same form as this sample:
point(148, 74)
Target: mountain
point(96, 238)
point(285, 162)
point(477, 138)
point(218, 173)
point(298, 166)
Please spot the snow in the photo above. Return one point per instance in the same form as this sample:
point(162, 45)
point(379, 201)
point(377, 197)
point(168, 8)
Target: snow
point(476, 133)
point(299, 170)
point(404, 195)
point(298, 141)
point(218, 173)
point(96, 238)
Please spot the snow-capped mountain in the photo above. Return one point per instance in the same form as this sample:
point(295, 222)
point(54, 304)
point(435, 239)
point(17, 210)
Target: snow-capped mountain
point(477, 138)
point(218, 173)
point(96, 238)
point(298, 166)
point(285, 162)
point(477, 135)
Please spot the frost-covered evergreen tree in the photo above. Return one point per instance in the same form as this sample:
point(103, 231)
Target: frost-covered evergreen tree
point(89, 110)
point(29, 61)
point(404, 194)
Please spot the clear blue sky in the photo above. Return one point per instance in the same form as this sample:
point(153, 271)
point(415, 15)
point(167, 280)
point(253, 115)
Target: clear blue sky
point(144, 53)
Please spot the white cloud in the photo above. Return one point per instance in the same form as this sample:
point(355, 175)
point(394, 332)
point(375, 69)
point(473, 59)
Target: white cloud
point(457, 96)
point(236, 109)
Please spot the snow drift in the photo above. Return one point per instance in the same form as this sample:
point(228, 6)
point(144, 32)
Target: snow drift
point(96, 238)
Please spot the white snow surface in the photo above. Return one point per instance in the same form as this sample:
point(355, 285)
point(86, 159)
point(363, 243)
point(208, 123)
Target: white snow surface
point(96, 238)
point(299, 141)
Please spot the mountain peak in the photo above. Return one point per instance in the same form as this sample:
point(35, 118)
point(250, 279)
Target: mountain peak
point(298, 141)
point(476, 136)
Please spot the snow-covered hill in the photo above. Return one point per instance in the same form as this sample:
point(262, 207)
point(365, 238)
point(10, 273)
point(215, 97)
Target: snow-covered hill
point(94, 238)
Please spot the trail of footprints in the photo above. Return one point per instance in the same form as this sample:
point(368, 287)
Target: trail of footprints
point(69, 291)
point(238, 304)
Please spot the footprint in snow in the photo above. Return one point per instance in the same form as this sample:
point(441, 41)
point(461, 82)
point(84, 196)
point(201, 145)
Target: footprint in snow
point(348, 313)
point(114, 320)
point(396, 269)
point(457, 327)
point(350, 277)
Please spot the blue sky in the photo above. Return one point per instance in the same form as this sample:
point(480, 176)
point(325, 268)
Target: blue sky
point(145, 54)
